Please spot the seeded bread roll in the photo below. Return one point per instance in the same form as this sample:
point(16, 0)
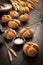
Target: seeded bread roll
point(24, 17)
point(26, 32)
point(15, 23)
point(31, 49)
point(14, 14)
point(9, 34)
point(6, 18)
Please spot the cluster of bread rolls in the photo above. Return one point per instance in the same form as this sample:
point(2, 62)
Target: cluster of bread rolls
point(17, 4)
point(23, 6)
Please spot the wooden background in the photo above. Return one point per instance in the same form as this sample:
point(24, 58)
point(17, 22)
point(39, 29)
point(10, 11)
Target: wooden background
point(36, 23)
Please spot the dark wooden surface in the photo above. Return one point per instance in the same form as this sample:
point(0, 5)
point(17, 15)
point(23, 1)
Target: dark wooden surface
point(36, 23)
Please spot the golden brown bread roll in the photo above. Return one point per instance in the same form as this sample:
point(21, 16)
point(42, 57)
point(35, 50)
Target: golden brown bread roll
point(15, 23)
point(31, 49)
point(6, 18)
point(9, 34)
point(23, 10)
point(24, 17)
point(14, 14)
point(26, 32)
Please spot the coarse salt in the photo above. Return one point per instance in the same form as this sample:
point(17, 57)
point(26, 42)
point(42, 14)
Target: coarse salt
point(18, 41)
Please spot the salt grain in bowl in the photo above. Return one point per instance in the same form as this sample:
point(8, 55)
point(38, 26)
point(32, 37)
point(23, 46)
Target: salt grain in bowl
point(18, 41)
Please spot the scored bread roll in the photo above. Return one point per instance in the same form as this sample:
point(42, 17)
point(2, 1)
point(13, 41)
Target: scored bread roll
point(26, 32)
point(23, 10)
point(31, 49)
point(15, 23)
point(24, 17)
point(6, 18)
point(9, 34)
point(14, 14)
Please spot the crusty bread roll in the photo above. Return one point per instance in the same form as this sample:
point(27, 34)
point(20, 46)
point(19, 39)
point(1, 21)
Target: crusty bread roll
point(31, 49)
point(9, 34)
point(14, 14)
point(6, 18)
point(23, 10)
point(24, 17)
point(26, 32)
point(15, 23)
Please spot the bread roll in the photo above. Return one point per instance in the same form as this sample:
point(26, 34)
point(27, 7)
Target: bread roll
point(31, 49)
point(23, 10)
point(26, 32)
point(14, 14)
point(6, 18)
point(9, 34)
point(15, 23)
point(24, 17)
